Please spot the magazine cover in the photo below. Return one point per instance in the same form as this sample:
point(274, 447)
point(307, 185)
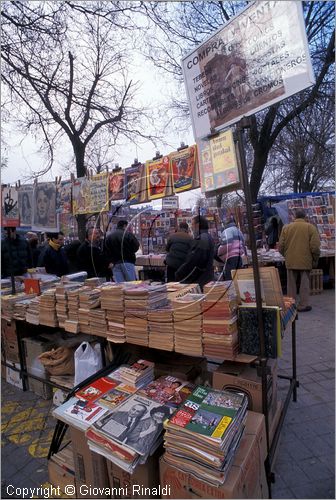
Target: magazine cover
point(139, 368)
point(247, 291)
point(184, 166)
point(98, 185)
point(85, 412)
point(9, 207)
point(116, 185)
point(168, 390)
point(25, 194)
point(117, 395)
point(63, 197)
point(137, 422)
point(158, 175)
point(208, 412)
point(133, 183)
point(44, 207)
point(80, 196)
point(95, 390)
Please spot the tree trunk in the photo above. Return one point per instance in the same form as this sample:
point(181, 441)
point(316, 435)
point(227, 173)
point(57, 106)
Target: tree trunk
point(259, 164)
point(79, 151)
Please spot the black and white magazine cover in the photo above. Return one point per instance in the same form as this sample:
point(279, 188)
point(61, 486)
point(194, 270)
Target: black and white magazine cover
point(137, 423)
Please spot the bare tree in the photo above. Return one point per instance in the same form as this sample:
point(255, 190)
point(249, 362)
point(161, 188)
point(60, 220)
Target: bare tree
point(66, 72)
point(183, 25)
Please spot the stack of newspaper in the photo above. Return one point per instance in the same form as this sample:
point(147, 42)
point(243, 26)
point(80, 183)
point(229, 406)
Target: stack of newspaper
point(203, 434)
point(188, 324)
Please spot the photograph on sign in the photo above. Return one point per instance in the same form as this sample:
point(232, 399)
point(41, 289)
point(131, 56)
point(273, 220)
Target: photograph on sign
point(135, 186)
point(258, 58)
point(25, 194)
point(9, 207)
point(63, 197)
point(44, 207)
point(81, 196)
point(218, 163)
point(158, 174)
point(116, 185)
point(184, 167)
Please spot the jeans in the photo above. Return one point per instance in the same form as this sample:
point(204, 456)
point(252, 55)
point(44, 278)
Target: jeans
point(304, 293)
point(232, 264)
point(124, 271)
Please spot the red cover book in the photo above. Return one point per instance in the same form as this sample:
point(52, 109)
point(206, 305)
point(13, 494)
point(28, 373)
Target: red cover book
point(111, 446)
point(32, 285)
point(95, 390)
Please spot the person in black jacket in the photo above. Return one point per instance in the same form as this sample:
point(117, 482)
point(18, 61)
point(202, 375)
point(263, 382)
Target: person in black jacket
point(178, 247)
point(90, 257)
point(15, 256)
point(54, 258)
point(121, 246)
point(34, 250)
point(198, 267)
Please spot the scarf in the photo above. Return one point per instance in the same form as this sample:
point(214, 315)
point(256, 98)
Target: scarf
point(55, 246)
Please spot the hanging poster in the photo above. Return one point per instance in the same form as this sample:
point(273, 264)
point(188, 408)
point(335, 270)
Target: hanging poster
point(63, 197)
point(26, 204)
point(80, 196)
point(98, 193)
point(218, 163)
point(44, 207)
point(9, 207)
point(159, 182)
point(184, 166)
point(258, 58)
point(116, 185)
point(135, 183)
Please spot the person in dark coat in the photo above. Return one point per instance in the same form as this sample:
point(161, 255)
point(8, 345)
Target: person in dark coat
point(198, 267)
point(90, 257)
point(54, 258)
point(272, 232)
point(14, 254)
point(34, 249)
point(178, 247)
point(71, 255)
point(121, 246)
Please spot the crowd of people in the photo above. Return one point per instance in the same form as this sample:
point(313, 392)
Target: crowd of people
point(190, 253)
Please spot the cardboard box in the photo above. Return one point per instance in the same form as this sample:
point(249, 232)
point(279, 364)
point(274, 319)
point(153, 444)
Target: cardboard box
point(33, 347)
point(58, 476)
point(232, 375)
point(125, 485)
point(246, 478)
point(90, 468)
point(13, 376)
point(9, 341)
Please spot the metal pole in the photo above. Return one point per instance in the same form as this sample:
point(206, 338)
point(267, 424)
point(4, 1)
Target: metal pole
point(244, 123)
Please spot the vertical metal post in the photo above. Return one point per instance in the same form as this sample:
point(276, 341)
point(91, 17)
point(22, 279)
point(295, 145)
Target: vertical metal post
point(294, 359)
point(244, 123)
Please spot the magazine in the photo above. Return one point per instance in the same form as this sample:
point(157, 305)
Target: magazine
point(82, 411)
point(136, 422)
point(117, 395)
point(96, 389)
point(168, 390)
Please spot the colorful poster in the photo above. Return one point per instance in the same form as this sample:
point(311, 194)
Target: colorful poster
point(135, 187)
point(44, 207)
point(258, 58)
point(98, 193)
point(218, 163)
point(26, 204)
point(90, 195)
point(159, 182)
point(116, 185)
point(184, 166)
point(9, 207)
point(63, 197)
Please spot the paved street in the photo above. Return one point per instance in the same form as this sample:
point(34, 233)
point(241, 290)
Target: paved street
point(305, 465)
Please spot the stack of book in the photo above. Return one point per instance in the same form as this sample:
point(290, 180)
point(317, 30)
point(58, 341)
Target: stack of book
point(33, 311)
point(98, 323)
point(138, 374)
point(94, 282)
point(220, 330)
point(89, 298)
point(203, 434)
point(62, 302)
point(161, 329)
point(8, 303)
point(48, 308)
point(187, 311)
point(72, 323)
point(112, 300)
point(20, 308)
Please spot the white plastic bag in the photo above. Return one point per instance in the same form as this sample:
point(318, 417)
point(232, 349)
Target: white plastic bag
point(87, 361)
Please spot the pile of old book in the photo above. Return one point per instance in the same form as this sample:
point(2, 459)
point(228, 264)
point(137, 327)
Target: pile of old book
point(20, 307)
point(203, 434)
point(72, 323)
point(112, 301)
point(89, 298)
point(98, 323)
point(138, 300)
point(187, 312)
point(138, 374)
point(48, 308)
point(220, 330)
point(8, 303)
point(161, 329)
point(33, 311)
